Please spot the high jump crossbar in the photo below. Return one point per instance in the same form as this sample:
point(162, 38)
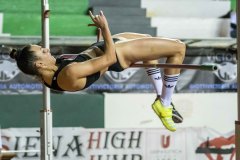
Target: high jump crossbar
point(160, 65)
point(180, 66)
point(46, 152)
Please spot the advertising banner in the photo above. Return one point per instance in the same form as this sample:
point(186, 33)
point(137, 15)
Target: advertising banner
point(124, 144)
point(12, 80)
point(135, 80)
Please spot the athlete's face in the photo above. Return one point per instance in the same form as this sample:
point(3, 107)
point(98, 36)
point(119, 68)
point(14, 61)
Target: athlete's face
point(42, 53)
point(44, 56)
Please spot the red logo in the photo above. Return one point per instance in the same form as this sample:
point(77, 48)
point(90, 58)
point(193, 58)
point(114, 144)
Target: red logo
point(218, 146)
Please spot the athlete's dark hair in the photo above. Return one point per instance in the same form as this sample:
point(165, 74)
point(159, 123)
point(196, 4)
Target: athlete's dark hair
point(25, 59)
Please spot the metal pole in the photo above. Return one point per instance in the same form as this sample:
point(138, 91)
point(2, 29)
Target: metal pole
point(237, 123)
point(21, 151)
point(46, 113)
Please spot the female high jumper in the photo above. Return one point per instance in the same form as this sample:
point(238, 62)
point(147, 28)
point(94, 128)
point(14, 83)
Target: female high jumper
point(114, 53)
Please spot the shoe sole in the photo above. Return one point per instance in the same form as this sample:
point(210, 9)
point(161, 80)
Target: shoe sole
point(155, 110)
point(177, 119)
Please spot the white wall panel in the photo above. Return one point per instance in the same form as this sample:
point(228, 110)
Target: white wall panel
point(215, 110)
point(191, 27)
point(1, 23)
point(186, 8)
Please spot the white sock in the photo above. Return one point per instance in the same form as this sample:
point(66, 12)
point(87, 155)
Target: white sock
point(155, 75)
point(169, 83)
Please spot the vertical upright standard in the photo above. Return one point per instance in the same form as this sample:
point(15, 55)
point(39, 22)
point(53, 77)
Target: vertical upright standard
point(237, 123)
point(46, 113)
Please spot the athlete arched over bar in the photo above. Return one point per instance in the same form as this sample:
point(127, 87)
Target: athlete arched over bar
point(115, 53)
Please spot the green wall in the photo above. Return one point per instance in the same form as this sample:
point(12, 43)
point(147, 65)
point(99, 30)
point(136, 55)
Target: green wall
point(69, 110)
point(34, 6)
point(234, 5)
point(20, 24)
point(67, 17)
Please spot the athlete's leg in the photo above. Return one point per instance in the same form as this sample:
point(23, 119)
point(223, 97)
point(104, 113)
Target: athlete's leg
point(130, 35)
point(153, 73)
point(147, 49)
point(156, 48)
point(156, 78)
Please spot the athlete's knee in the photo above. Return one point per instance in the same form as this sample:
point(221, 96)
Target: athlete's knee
point(150, 62)
point(181, 48)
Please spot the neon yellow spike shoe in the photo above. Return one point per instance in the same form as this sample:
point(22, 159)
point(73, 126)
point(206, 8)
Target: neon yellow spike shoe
point(165, 115)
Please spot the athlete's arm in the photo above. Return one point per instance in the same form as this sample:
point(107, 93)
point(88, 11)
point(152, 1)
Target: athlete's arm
point(83, 69)
point(101, 22)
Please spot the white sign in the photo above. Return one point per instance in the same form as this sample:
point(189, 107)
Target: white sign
point(124, 144)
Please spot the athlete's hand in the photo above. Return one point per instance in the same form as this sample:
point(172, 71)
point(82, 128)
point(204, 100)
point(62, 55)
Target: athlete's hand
point(100, 20)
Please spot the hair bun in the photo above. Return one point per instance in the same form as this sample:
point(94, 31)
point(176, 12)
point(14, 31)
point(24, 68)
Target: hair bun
point(13, 53)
